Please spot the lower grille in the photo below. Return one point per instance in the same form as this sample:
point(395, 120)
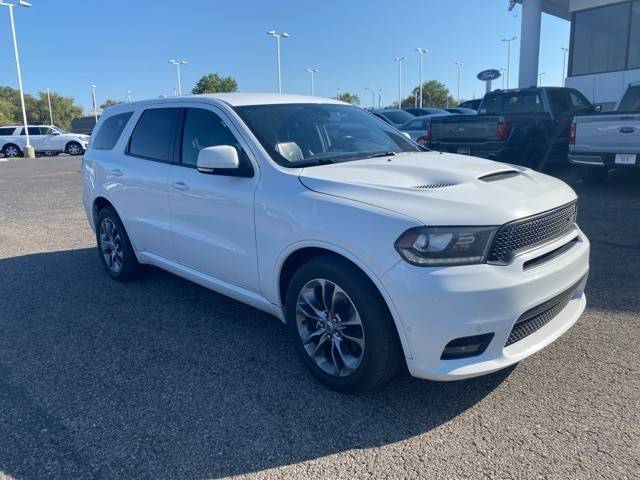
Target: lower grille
point(538, 317)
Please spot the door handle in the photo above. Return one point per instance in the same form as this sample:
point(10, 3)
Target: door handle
point(116, 172)
point(180, 186)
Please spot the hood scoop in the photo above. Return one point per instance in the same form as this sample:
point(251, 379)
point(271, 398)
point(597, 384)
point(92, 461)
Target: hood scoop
point(434, 185)
point(497, 176)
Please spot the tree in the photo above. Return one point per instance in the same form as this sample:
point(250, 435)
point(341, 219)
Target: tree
point(109, 103)
point(214, 83)
point(349, 98)
point(63, 108)
point(434, 94)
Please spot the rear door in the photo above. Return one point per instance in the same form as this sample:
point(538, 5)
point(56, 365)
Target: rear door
point(213, 215)
point(37, 137)
point(137, 179)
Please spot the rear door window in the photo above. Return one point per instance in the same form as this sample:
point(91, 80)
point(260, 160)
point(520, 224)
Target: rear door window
point(7, 131)
point(153, 137)
point(110, 131)
point(631, 100)
point(35, 131)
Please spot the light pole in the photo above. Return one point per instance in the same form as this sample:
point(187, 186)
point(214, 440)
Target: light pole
point(421, 51)
point(565, 51)
point(379, 97)
point(373, 96)
point(277, 36)
point(540, 78)
point(502, 70)
point(338, 94)
point(95, 105)
point(28, 149)
point(399, 60)
point(129, 96)
point(459, 64)
point(312, 72)
point(508, 41)
point(178, 63)
point(50, 111)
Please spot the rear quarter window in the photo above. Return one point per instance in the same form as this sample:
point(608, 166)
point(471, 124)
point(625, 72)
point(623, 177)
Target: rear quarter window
point(110, 131)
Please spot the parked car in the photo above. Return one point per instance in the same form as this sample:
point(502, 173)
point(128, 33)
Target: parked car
point(462, 111)
point(374, 252)
point(46, 140)
point(418, 127)
point(609, 140)
point(527, 126)
point(472, 104)
point(84, 125)
point(419, 112)
point(392, 116)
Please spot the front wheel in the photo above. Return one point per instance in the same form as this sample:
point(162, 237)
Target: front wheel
point(341, 326)
point(74, 148)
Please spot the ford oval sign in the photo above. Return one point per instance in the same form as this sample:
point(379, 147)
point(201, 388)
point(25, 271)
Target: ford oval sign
point(491, 74)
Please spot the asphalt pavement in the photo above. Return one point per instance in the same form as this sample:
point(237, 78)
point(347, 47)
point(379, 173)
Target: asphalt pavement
point(163, 379)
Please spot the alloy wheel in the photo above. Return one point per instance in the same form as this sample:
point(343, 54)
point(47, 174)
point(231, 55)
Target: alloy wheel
point(111, 246)
point(330, 327)
point(74, 149)
point(11, 151)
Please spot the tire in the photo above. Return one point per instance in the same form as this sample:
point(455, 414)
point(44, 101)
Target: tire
point(114, 247)
point(594, 175)
point(350, 357)
point(11, 150)
point(74, 148)
point(534, 154)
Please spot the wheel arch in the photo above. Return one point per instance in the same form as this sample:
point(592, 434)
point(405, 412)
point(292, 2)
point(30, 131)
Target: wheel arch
point(99, 203)
point(298, 256)
point(69, 142)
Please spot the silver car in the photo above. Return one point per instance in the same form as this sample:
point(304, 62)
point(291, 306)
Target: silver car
point(418, 127)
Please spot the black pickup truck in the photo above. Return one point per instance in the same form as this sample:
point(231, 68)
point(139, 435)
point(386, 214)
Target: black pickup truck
point(527, 126)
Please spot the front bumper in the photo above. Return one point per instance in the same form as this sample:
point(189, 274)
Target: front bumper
point(438, 305)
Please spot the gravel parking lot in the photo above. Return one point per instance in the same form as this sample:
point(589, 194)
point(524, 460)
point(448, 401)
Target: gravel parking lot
point(161, 378)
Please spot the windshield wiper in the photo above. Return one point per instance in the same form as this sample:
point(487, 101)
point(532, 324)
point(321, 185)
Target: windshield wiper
point(314, 163)
point(381, 154)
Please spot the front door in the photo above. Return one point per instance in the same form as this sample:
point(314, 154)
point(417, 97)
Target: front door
point(213, 215)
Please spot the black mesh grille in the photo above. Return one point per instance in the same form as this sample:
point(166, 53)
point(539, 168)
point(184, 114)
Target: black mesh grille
point(531, 231)
point(538, 317)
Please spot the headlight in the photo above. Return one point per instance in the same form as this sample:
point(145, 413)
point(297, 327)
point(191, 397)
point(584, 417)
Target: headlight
point(445, 246)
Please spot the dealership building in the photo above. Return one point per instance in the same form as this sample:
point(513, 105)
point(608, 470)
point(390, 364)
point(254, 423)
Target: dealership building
point(604, 52)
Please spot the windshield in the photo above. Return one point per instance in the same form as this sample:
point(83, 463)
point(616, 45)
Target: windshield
point(307, 134)
point(397, 116)
point(58, 129)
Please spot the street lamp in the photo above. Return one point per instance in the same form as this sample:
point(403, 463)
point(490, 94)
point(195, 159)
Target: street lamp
point(540, 78)
point(178, 63)
point(129, 96)
point(421, 51)
point(373, 96)
point(312, 72)
point(459, 64)
point(277, 36)
point(95, 105)
point(379, 97)
point(50, 111)
point(508, 41)
point(502, 70)
point(29, 152)
point(565, 51)
point(399, 60)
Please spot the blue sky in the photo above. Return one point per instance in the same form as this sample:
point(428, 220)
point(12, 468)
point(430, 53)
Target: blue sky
point(122, 45)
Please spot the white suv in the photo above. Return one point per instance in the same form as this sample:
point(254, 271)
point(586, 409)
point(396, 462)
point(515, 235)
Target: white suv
point(45, 140)
point(374, 251)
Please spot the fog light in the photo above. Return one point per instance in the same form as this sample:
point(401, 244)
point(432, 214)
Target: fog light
point(466, 347)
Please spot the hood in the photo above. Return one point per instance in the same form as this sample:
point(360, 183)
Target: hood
point(440, 189)
point(74, 136)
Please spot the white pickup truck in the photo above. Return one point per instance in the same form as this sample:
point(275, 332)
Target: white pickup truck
point(600, 142)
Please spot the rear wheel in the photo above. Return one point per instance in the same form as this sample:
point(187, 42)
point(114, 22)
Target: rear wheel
point(114, 248)
point(594, 175)
point(340, 325)
point(11, 151)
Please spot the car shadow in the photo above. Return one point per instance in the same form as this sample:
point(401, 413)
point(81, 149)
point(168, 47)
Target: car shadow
point(160, 378)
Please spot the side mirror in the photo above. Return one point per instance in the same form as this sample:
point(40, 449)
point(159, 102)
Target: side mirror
point(220, 159)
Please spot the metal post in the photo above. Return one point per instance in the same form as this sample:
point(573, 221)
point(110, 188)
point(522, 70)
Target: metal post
point(129, 96)
point(459, 64)
point(565, 50)
point(278, 61)
point(95, 105)
point(379, 97)
point(50, 111)
point(373, 97)
point(312, 72)
point(28, 150)
point(179, 80)
point(421, 51)
point(508, 41)
point(400, 60)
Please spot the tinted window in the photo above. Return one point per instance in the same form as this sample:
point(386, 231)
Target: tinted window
point(560, 102)
point(35, 131)
point(631, 100)
point(203, 128)
point(634, 41)
point(7, 131)
point(398, 116)
point(154, 133)
point(517, 102)
point(414, 125)
point(600, 38)
point(110, 131)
